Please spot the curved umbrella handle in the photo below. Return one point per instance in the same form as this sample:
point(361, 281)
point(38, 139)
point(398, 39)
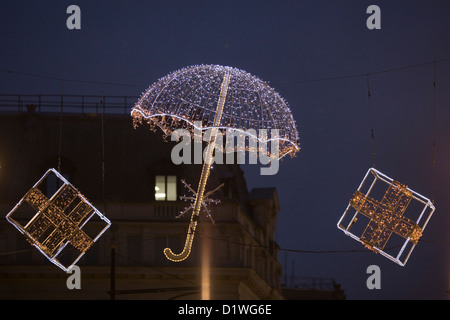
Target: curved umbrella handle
point(187, 245)
point(195, 213)
point(203, 178)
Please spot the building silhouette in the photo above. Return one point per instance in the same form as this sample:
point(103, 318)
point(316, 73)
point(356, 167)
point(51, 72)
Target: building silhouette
point(128, 175)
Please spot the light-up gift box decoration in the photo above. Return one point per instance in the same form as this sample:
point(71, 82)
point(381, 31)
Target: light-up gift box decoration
point(57, 223)
point(386, 216)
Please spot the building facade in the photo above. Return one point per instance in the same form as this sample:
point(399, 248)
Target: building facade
point(128, 175)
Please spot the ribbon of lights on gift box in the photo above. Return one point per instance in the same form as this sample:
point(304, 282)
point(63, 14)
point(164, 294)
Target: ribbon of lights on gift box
point(398, 217)
point(59, 223)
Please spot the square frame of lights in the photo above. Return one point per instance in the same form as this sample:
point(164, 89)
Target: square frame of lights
point(54, 216)
point(386, 216)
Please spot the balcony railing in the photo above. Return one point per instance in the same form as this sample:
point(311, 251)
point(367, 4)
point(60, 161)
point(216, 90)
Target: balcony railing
point(78, 104)
point(311, 283)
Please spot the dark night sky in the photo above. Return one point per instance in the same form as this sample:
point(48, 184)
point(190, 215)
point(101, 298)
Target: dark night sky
point(285, 43)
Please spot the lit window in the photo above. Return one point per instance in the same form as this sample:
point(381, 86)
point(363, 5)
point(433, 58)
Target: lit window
point(165, 188)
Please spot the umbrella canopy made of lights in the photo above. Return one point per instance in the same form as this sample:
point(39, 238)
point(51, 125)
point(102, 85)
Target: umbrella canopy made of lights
point(220, 98)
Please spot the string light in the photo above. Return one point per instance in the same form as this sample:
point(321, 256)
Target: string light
point(59, 220)
point(206, 201)
point(219, 98)
point(191, 94)
point(236, 132)
point(386, 216)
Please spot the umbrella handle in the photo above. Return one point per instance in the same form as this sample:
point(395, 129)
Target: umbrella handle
point(203, 178)
point(187, 246)
point(195, 213)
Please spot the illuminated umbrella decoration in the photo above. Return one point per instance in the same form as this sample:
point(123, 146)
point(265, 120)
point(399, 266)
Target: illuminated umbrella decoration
point(222, 98)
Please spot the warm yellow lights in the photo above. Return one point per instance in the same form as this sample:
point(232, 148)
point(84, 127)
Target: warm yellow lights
point(206, 263)
point(58, 221)
point(373, 218)
point(203, 179)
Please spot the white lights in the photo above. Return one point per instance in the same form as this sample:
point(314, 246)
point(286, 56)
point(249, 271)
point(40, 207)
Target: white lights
point(206, 201)
point(238, 132)
point(215, 99)
point(193, 93)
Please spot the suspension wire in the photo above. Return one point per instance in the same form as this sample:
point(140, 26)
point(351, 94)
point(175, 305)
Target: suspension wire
point(281, 249)
point(360, 75)
point(372, 135)
point(102, 102)
point(433, 194)
point(47, 77)
point(61, 125)
point(14, 252)
point(281, 83)
point(155, 268)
